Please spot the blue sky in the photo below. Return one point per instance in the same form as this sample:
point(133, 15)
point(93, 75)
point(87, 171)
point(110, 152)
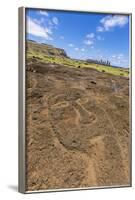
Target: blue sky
point(82, 35)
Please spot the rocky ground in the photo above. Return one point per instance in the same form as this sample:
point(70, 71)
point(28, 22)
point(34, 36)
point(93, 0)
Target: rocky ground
point(77, 128)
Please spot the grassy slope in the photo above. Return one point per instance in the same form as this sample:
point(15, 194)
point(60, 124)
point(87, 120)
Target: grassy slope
point(74, 63)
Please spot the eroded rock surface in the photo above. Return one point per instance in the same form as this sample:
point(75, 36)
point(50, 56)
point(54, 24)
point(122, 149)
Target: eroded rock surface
point(77, 128)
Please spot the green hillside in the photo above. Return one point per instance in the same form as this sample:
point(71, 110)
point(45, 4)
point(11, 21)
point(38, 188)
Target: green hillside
point(50, 54)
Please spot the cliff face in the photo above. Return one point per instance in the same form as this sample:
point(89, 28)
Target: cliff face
point(45, 49)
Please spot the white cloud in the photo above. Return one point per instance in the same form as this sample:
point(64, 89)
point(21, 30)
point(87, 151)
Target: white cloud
point(89, 39)
point(82, 49)
point(44, 13)
point(37, 30)
point(118, 56)
point(111, 21)
point(119, 60)
point(100, 56)
point(88, 42)
point(39, 21)
point(77, 49)
point(90, 35)
point(92, 47)
point(121, 55)
point(100, 38)
point(71, 45)
point(100, 29)
point(55, 20)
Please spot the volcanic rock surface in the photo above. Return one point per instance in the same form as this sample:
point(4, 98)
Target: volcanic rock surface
point(77, 128)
